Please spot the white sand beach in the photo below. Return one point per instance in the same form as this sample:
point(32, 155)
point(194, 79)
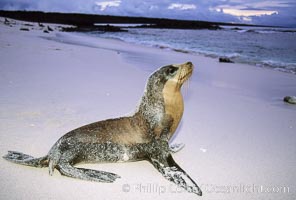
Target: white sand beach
point(239, 135)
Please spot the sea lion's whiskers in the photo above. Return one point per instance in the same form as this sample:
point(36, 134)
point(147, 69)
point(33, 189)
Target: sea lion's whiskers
point(183, 72)
point(179, 80)
point(187, 86)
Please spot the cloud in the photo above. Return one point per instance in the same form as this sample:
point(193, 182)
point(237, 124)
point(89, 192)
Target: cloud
point(248, 13)
point(105, 4)
point(180, 6)
point(268, 12)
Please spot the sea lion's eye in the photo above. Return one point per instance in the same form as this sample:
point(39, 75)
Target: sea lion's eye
point(172, 70)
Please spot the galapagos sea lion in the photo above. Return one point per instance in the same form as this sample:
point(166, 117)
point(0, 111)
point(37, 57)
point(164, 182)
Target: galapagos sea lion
point(290, 99)
point(143, 136)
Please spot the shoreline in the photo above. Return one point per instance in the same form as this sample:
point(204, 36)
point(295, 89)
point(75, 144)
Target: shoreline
point(236, 128)
point(150, 58)
point(214, 57)
point(244, 58)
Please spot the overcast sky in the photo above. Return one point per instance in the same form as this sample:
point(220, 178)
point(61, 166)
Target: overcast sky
point(268, 12)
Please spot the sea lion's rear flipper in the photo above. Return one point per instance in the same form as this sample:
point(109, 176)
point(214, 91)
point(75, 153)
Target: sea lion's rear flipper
point(166, 165)
point(24, 159)
point(174, 148)
point(86, 174)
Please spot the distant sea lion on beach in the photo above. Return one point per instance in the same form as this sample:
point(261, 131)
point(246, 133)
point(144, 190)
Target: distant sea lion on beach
point(290, 99)
point(143, 136)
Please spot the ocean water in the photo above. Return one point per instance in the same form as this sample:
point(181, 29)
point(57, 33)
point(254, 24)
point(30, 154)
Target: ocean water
point(264, 47)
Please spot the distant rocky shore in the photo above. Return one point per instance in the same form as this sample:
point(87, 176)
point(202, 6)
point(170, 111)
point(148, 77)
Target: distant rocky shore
point(86, 22)
point(105, 28)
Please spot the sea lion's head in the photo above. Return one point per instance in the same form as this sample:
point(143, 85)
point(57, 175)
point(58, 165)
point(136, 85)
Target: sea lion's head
point(162, 96)
point(174, 75)
point(178, 74)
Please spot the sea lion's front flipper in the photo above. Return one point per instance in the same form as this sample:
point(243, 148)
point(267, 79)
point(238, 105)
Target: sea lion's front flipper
point(174, 148)
point(166, 165)
point(86, 174)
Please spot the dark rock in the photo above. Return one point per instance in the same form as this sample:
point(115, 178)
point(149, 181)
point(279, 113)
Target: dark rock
point(40, 25)
point(225, 60)
point(9, 22)
point(181, 51)
point(24, 29)
point(107, 28)
point(49, 29)
point(45, 31)
point(236, 29)
point(290, 99)
point(6, 21)
point(179, 24)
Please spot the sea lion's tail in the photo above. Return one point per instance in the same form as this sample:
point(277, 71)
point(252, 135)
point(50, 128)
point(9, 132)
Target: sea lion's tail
point(24, 159)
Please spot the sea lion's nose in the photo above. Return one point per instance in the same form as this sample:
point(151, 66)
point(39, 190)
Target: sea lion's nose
point(189, 63)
